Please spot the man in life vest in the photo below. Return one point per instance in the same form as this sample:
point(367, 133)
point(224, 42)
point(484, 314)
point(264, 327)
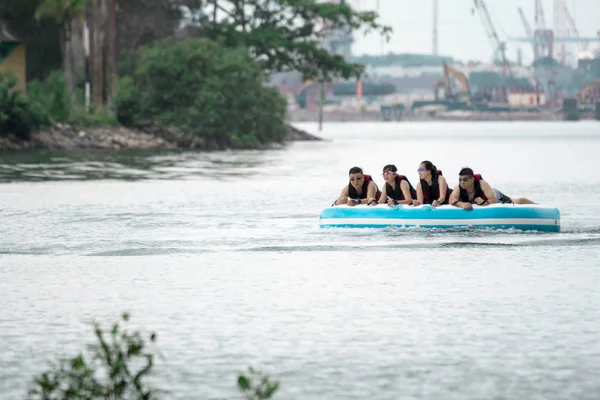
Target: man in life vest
point(432, 188)
point(472, 189)
point(397, 189)
point(360, 190)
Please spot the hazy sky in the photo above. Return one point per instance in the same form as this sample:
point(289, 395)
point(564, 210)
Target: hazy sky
point(461, 33)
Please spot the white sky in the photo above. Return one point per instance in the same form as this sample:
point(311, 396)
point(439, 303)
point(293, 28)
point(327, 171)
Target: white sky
point(461, 33)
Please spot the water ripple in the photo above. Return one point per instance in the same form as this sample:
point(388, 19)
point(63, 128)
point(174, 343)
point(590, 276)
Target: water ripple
point(221, 254)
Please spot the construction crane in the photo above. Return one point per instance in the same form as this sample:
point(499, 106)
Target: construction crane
point(542, 36)
point(528, 32)
point(488, 25)
point(582, 45)
point(540, 20)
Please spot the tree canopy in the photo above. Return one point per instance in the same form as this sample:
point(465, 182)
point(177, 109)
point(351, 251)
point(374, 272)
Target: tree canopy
point(287, 35)
point(204, 89)
point(207, 81)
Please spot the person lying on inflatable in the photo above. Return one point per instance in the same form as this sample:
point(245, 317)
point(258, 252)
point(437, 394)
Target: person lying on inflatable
point(472, 189)
point(360, 190)
point(432, 187)
point(397, 189)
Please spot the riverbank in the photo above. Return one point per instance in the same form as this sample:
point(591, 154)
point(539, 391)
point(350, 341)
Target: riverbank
point(68, 137)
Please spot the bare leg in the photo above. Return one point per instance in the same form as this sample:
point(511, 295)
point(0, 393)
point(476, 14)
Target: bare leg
point(522, 200)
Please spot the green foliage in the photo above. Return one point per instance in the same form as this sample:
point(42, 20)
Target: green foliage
point(127, 101)
point(256, 385)
point(16, 114)
point(127, 65)
point(206, 90)
point(286, 35)
point(92, 117)
point(115, 367)
point(49, 98)
point(63, 11)
point(107, 372)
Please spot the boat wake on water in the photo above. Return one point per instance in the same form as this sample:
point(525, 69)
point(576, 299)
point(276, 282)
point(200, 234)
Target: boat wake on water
point(554, 242)
point(394, 238)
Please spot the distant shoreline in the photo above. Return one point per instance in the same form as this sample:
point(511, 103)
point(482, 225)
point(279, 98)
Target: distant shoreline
point(303, 115)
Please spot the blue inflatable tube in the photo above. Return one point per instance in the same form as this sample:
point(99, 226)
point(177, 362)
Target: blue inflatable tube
point(498, 216)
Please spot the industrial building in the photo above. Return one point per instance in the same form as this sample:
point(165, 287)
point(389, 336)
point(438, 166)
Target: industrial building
point(566, 65)
point(12, 55)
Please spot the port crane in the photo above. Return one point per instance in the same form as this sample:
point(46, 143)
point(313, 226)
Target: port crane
point(529, 32)
point(583, 46)
point(497, 44)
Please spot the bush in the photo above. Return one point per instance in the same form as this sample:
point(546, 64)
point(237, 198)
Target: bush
point(50, 98)
point(107, 372)
point(126, 102)
point(204, 89)
point(17, 116)
point(115, 368)
point(92, 117)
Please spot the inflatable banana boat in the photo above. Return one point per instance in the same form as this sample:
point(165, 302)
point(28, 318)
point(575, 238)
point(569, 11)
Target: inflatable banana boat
point(531, 217)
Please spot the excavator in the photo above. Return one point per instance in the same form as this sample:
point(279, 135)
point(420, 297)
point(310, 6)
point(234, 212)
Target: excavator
point(590, 93)
point(464, 95)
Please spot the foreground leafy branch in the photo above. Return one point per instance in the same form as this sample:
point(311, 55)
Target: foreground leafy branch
point(107, 372)
point(256, 385)
point(114, 368)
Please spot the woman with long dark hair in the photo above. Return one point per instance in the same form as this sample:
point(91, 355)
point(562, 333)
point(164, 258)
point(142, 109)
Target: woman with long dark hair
point(432, 188)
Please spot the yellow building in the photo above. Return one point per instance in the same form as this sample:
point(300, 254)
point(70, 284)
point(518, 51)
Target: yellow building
point(12, 56)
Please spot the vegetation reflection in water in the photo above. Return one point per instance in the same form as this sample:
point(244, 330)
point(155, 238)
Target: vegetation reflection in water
point(115, 367)
point(85, 165)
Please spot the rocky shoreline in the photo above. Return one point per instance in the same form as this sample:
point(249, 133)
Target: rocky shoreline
point(68, 137)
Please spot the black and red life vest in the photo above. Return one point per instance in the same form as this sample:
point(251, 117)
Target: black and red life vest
point(396, 193)
point(431, 193)
point(365, 189)
point(464, 196)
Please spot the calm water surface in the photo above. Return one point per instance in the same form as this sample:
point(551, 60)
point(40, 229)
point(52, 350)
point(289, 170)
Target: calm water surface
point(220, 253)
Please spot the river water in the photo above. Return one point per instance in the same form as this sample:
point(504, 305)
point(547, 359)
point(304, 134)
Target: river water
point(221, 254)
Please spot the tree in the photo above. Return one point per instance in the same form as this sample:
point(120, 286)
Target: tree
point(101, 21)
point(66, 13)
point(206, 90)
point(287, 35)
point(141, 22)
